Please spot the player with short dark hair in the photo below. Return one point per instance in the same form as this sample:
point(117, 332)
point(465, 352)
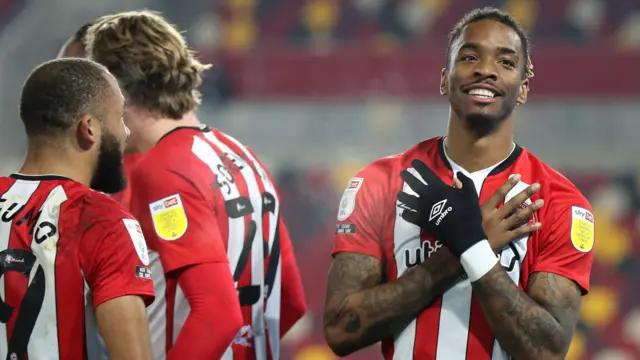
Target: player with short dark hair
point(220, 252)
point(76, 47)
point(74, 263)
point(464, 247)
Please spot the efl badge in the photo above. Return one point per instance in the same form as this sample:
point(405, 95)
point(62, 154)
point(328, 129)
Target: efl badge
point(348, 200)
point(582, 229)
point(169, 218)
point(135, 232)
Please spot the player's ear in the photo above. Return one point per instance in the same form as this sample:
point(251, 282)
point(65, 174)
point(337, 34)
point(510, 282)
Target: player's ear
point(444, 82)
point(87, 131)
point(524, 92)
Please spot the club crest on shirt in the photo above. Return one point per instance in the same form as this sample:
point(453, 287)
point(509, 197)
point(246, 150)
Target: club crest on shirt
point(582, 229)
point(169, 218)
point(135, 232)
point(348, 200)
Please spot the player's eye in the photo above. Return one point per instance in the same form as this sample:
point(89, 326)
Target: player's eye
point(468, 58)
point(508, 63)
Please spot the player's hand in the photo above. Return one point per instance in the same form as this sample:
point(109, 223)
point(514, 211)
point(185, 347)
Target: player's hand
point(452, 214)
point(509, 222)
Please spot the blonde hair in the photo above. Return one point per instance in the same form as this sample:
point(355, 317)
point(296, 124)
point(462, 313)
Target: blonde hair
point(151, 60)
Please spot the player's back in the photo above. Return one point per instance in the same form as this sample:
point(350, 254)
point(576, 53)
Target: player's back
point(236, 193)
point(48, 245)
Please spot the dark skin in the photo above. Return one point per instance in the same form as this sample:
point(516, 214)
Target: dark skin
point(534, 324)
point(362, 309)
point(538, 323)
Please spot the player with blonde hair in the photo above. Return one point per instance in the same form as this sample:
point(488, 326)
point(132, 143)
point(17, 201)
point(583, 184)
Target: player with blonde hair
point(205, 202)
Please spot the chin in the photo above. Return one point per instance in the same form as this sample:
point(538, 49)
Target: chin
point(482, 124)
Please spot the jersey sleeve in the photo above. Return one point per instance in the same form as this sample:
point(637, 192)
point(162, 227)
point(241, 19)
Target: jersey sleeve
point(361, 214)
point(177, 220)
point(568, 237)
point(115, 260)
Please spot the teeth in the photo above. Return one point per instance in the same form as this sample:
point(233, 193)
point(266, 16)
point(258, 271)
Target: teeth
point(482, 92)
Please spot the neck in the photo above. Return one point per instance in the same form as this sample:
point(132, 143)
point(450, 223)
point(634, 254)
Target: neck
point(58, 161)
point(154, 128)
point(473, 153)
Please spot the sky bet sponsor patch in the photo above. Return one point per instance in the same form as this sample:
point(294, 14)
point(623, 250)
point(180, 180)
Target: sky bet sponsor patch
point(582, 229)
point(169, 217)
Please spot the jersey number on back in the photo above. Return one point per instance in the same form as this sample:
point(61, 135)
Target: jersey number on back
point(22, 261)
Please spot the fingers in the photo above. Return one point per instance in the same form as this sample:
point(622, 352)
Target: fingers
point(521, 216)
point(457, 183)
point(466, 182)
point(414, 183)
point(515, 202)
point(411, 217)
point(500, 194)
point(427, 174)
point(409, 200)
point(523, 231)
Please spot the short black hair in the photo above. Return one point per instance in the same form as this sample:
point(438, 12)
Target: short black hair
point(501, 16)
point(82, 33)
point(60, 91)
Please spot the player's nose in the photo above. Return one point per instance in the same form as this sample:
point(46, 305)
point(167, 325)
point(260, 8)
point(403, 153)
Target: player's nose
point(486, 69)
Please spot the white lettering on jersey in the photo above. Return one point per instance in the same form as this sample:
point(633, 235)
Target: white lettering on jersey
point(39, 267)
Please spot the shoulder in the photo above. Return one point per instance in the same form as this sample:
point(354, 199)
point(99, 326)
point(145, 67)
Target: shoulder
point(384, 168)
point(101, 208)
point(557, 190)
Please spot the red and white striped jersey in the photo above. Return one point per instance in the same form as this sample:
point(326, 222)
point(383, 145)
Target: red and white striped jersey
point(64, 250)
point(201, 196)
point(454, 327)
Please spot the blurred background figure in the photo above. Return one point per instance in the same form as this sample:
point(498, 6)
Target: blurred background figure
point(320, 88)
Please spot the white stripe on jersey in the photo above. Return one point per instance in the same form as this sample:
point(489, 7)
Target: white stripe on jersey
point(157, 311)
point(406, 237)
point(515, 254)
point(272, 313)
point(455, 314)
point(18, 193)
point(43, 342)
point(456, 302)
point(257, 250)
point(44, 337)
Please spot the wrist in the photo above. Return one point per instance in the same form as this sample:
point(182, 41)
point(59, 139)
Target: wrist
point(478, 260)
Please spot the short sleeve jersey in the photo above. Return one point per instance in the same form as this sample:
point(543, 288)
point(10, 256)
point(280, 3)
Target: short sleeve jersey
point(64, 251)
point(370, 222)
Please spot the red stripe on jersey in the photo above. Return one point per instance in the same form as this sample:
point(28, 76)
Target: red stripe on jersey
point(67, 301)
point(480, 341)
point(427, 329)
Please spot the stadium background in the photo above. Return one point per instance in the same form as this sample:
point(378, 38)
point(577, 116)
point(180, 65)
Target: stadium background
point(320, 88)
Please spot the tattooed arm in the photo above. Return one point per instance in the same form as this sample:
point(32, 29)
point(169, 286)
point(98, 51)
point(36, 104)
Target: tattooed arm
point(360, 310)
point(538, 324)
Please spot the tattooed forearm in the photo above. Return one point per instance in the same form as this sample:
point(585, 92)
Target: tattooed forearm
point(539, 325)
point(360, 310)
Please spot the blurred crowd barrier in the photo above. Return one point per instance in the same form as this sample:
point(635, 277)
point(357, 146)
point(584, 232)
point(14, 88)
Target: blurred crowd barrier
point(320, 88)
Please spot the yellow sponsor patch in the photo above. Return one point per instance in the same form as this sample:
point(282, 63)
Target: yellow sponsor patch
point(169, 217)
point(582, 229)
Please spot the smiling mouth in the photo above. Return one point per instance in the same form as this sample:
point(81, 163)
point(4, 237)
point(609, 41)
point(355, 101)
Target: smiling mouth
point(482, 95)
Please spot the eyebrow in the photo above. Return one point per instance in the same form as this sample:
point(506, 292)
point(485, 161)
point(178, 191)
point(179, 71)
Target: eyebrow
point(500, 49)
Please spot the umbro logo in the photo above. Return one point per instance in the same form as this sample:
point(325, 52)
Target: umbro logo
point(439, 211)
